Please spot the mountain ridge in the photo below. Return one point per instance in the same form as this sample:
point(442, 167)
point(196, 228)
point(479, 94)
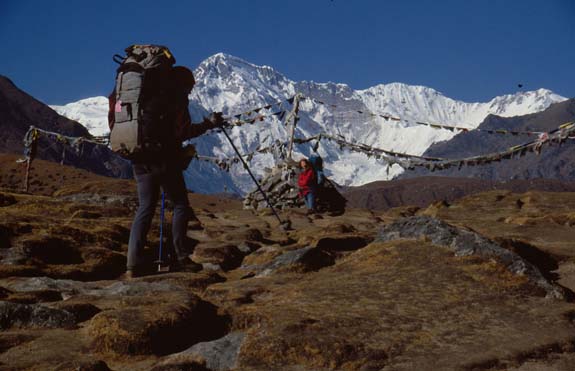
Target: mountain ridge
point(19, 110)
point(554, 162)
point(232, 85)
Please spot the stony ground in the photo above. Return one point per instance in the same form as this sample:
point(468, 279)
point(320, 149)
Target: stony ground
point(482, 284)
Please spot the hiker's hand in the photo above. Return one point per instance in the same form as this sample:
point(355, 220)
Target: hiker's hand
point(216, 119)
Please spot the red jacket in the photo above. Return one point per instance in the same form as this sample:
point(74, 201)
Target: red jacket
point(306, 182)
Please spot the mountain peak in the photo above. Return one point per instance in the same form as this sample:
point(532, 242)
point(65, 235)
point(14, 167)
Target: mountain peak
point(222, 65)
point(516, 104)
point(222, 58)
point(399, 89)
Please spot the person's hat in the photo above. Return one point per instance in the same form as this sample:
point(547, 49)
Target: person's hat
point(184, 77)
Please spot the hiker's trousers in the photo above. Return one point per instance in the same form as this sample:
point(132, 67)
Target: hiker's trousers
point(309, 200)
point(151, 178)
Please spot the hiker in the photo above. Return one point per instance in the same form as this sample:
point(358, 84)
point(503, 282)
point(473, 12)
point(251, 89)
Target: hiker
point(307, 184)
point(162, 167)
point(327, 198)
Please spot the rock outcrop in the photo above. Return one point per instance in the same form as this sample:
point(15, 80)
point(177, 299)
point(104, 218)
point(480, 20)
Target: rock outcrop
point(19, 110)
point(464, 242)
point(218, 355)
point(38, 316)
point(280, 186)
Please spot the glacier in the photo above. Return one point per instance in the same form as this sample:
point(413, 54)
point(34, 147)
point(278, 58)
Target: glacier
point(231, 85)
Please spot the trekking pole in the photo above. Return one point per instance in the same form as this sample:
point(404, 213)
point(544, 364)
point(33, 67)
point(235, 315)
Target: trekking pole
point(162, 212)
point(283, 224)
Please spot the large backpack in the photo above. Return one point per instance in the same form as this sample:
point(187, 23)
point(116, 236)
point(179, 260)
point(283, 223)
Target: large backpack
point(141, 101)
point(328, 197)
point(317, 165)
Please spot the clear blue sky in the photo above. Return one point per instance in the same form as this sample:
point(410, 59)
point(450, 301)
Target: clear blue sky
point(60, 51)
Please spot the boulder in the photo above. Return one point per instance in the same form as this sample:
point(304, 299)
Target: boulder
point(301, 260)
point(464, 242)
point(58, 258)
point(247, 247)
point(225, 255)
point(196, 282)
point(217, 355)
point(159, 322)
point(82, 311)
point(33, 316)
point(66, 287)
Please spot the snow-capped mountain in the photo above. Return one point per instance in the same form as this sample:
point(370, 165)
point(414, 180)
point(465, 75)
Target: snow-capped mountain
point(232, 85)
point(90, 112)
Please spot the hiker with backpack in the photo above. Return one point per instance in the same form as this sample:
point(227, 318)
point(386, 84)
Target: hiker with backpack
point(307, 184)
point(149, 120)
point(326, 196)
point(316, 163)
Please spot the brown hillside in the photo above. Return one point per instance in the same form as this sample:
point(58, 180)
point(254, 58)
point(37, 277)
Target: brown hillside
point(19, 110)
point(483, 283)
point(425, 190)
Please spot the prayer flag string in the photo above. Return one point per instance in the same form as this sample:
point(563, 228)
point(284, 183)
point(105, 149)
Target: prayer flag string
point(451, 128)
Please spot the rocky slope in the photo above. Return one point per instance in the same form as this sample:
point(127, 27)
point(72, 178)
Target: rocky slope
point(424, 190)
point(19, 110)
point(482, 284)
point(554, 162)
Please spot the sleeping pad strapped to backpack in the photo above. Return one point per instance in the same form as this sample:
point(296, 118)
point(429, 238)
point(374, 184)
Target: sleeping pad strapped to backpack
point(142, 101)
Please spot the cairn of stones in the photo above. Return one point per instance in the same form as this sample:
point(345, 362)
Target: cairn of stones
point(280, 185)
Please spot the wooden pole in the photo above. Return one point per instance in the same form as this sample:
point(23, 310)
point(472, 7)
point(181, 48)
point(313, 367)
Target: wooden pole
point(62, 164)
point(31, 143)
point(27, 178)
point(293, 113)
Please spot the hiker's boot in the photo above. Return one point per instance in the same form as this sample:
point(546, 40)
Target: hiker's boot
point(194, 223)
point(138, 271)
point(185, 265)
point(129, 275)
